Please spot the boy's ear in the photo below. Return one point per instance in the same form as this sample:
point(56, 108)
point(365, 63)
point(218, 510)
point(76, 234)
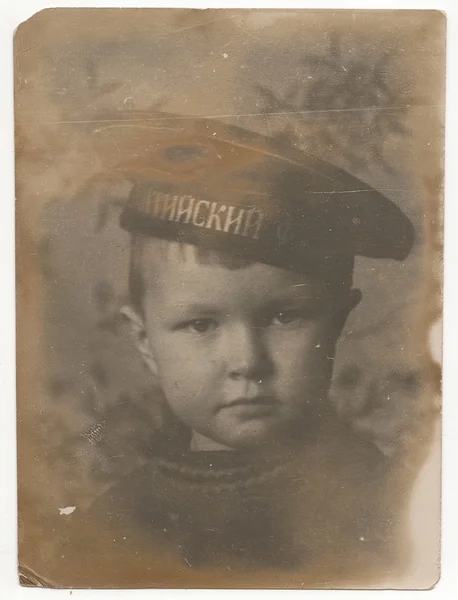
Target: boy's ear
point(140, 337)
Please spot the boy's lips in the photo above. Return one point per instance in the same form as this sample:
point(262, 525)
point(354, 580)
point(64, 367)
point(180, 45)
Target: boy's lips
point(256, 401)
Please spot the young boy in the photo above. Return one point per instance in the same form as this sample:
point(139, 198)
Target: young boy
point(241, 282)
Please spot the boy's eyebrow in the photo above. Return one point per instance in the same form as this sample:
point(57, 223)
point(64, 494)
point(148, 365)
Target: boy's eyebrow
point(184, 310)
point(281, 301)
point(195, 308)
point(302, 291)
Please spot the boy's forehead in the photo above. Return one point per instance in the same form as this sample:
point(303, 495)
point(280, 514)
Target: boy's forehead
point(173, 276)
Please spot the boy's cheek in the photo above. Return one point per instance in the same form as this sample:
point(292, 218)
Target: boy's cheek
point(182, 380)
point(305, 369)
point(170, 348)
point(302, 354)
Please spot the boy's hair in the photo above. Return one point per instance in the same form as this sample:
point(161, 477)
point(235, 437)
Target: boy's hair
point(166, 248)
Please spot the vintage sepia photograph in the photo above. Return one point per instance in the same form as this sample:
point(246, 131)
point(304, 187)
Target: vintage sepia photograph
point(229, 272)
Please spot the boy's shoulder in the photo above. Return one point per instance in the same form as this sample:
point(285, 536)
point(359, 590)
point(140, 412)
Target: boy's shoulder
point(324, 496)
point(337, 452)
point(337, 463)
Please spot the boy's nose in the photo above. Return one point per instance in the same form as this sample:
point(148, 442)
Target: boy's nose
point(247, 355)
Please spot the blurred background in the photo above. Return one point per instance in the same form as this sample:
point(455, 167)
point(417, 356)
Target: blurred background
point(362, 89)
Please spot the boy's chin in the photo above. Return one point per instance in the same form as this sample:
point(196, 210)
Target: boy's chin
point(243, 439)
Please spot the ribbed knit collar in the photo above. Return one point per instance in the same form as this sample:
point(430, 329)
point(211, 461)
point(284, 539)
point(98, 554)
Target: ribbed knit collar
point(225, 466)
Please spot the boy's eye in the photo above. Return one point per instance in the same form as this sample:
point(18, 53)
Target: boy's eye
point(200, 325)
point(286, 317)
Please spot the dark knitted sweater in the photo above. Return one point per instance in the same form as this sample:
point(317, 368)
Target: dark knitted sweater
point(316, 508)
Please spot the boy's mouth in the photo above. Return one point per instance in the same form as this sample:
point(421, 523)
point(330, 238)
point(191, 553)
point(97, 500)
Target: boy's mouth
point(255, 402)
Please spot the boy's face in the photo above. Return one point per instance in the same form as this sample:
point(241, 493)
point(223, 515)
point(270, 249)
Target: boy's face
point(243, 354)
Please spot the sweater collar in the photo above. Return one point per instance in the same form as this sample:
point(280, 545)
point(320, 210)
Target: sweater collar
point(176, 460)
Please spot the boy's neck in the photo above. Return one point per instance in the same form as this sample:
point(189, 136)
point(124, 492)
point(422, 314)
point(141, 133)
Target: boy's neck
point(200, 443)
